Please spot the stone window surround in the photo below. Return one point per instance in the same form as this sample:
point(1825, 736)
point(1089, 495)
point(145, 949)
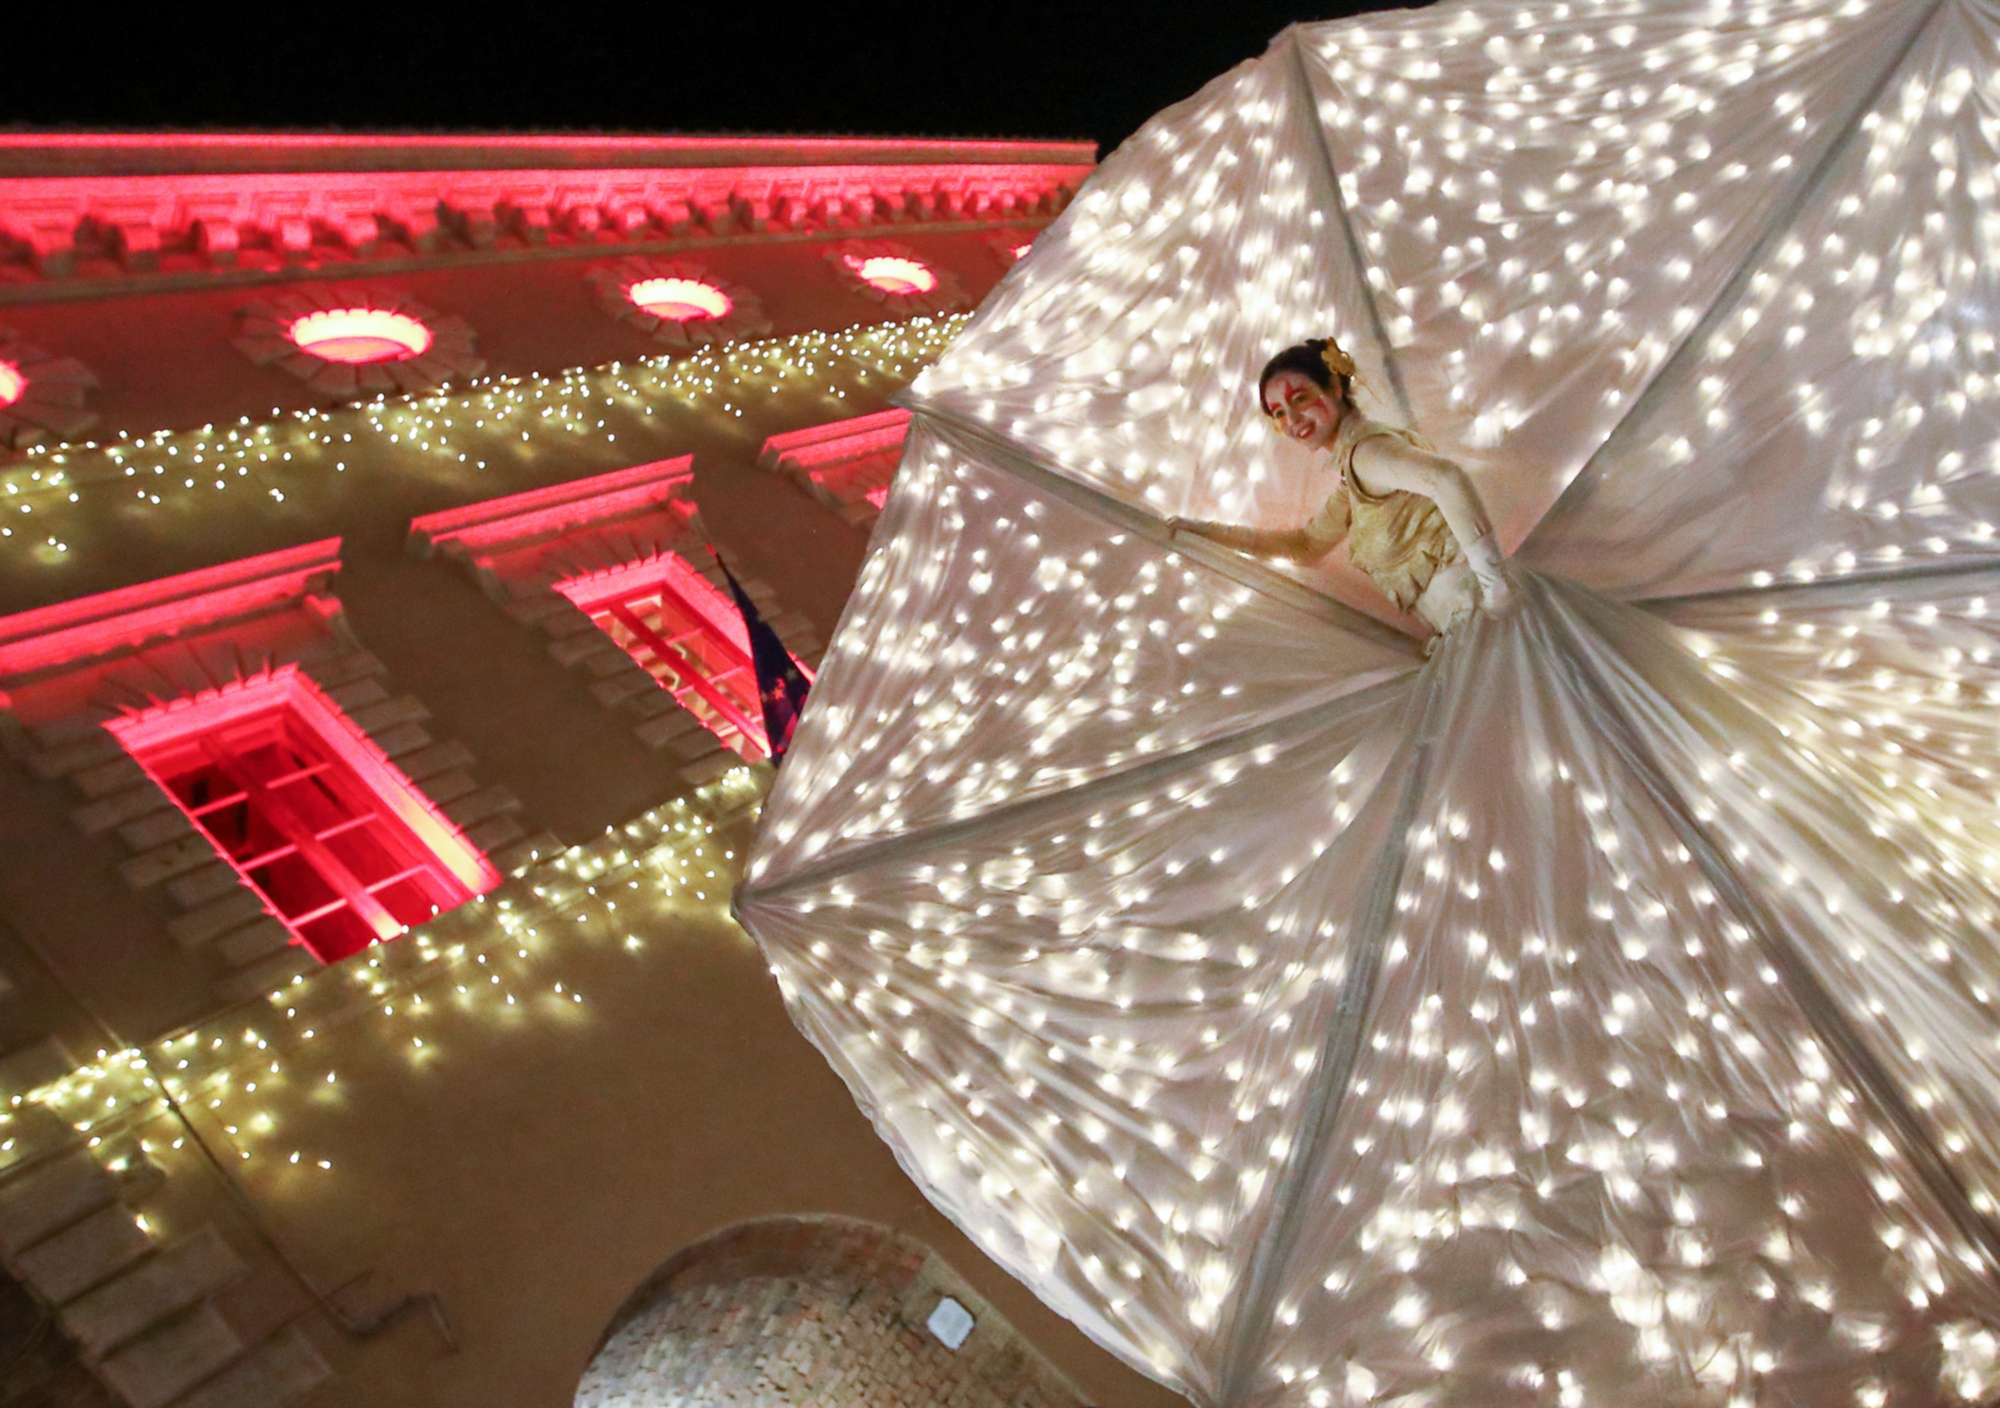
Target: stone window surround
point(201, 631)
point(520, 547)
point(262, 336)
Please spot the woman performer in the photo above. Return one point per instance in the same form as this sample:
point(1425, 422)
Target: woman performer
point(1412, 520)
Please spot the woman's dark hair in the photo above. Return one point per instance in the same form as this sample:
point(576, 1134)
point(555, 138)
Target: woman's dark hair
point(1308, 359)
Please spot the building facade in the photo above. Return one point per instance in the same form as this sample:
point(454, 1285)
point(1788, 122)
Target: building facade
point(381, 742)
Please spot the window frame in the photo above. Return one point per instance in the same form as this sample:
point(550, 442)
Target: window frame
point(454, 867)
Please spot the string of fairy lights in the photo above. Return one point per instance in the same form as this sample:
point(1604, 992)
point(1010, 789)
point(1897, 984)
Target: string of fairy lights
point(52, 489)
point(497, 958)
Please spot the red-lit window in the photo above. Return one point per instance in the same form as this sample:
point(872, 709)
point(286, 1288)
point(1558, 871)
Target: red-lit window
point(688, 636)
point(312, 815)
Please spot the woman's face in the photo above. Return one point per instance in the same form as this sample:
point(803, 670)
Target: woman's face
point(1300, 409)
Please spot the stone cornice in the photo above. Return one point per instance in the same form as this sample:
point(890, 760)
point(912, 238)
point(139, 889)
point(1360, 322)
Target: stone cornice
point(206, 221)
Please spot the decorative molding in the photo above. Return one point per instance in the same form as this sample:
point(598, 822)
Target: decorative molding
point(218, 221)
point(745, 319)
point(75, 632)
point(1010, 246)
point(847, 464)
point(78, 154)
point(478, 532)
point(262, 337)
point(52, 402)
point(525, 548)
point(947, 295)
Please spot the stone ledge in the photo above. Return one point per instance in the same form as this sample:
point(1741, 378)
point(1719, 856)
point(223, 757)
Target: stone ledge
point(495, 831)
point(55, 1195)
point(165, 825)
point(261, 936)
point(210, 882)
point(94, 818)
point(154, 1369)
point(377, 718)
point(279, 1371)
point(710, 768)
point(267, 974)
point(66, 1265)
point(478, 806)
point(179, 1277)
point(198, 926)
point(165, 862)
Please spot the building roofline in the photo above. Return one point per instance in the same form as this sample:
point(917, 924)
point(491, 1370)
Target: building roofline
point(44, 154)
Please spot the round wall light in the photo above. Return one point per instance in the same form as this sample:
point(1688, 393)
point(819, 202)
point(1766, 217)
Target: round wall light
point(893, 273)
point(681, 300)
point(677, 302)
point(360, 335)
point(896, 276)
point(13, 385)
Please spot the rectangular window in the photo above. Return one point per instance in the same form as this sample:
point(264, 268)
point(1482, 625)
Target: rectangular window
point(687, 635)
point(311, 813)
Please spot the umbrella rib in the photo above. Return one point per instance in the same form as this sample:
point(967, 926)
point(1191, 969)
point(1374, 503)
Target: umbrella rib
point(1958, 567)
point(1822, 1012)
point(1225, 562)
point(1327, 170)
point(1013, 814)
point(1670, 372)
point(1332, 1073)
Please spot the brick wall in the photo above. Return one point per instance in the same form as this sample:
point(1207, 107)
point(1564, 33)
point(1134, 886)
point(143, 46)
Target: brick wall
point(818, 1312)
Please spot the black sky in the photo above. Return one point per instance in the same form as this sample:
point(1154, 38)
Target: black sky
point(949, 68)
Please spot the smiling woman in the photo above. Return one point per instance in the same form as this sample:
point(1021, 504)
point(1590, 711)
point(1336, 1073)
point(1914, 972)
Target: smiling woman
point(1411, 518)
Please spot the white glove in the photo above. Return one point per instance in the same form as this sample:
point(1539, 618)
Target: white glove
point(1484, 557)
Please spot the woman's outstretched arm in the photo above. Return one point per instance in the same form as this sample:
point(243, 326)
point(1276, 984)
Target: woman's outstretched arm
point(1308, 544)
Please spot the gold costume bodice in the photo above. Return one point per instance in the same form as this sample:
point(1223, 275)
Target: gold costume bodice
point(1399, 539)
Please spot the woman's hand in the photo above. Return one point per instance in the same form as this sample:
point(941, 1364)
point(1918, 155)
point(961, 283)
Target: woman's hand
point(1484, 557)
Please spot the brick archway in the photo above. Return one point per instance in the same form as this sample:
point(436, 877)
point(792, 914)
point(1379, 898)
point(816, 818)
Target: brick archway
point(812, 1312)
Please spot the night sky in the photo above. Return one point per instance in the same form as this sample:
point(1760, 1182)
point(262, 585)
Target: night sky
point(946, 69)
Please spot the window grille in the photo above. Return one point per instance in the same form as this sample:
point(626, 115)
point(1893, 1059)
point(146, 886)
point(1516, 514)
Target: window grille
point(312, 815)
point(690, 637)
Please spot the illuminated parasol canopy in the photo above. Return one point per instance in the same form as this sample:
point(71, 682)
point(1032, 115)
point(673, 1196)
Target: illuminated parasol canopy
point(1601, 1012)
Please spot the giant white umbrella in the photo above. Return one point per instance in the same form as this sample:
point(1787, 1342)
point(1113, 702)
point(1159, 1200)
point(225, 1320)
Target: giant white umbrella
point(1599, 1012)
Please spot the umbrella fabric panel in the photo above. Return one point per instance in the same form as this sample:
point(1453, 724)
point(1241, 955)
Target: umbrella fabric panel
point(1894, 682)
point(1003, 644)
point(1547, 210)
point(1841, 419)
point(1124, 351)
point(1088, 1031)
point(1895, 920)
point(1588, 1144)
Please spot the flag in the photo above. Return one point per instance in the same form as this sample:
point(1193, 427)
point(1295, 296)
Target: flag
point(781, 686)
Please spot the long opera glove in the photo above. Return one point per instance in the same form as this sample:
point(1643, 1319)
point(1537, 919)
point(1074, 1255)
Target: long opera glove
point(1484, 557)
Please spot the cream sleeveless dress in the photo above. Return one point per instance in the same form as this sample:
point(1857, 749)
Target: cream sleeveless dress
point(1399, 539)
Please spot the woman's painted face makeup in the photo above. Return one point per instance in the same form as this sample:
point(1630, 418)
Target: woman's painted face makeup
point(1299, 408)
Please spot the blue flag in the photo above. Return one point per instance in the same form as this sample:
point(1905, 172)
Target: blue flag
point(781, 686)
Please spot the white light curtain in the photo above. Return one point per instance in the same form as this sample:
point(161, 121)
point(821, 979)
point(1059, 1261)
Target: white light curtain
point(1601, 1011)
